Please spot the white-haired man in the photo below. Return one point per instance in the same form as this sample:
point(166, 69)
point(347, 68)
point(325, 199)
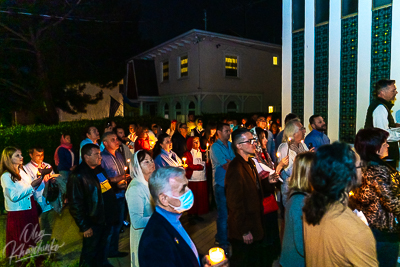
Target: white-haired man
point(164, 241)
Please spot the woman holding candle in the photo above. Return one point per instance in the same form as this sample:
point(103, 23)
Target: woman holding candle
point(379, 195)
point(293, 144)
point(269, 176)
point(18, 195)
point(196, 174)
point(299, 187)
point(139, 200)
point(163, 154)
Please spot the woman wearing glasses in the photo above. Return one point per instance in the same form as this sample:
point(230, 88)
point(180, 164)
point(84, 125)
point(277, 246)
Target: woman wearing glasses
point(196, 174)
point(140, 203)
point(379, 195)
point(293, 144)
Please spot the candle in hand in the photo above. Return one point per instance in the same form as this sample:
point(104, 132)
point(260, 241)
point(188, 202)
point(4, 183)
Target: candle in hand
point(184, 162)
point(217, 255)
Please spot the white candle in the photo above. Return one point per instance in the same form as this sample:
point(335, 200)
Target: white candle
point(217, 255)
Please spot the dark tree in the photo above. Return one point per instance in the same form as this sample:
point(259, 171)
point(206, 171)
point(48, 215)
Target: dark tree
point(50, 48)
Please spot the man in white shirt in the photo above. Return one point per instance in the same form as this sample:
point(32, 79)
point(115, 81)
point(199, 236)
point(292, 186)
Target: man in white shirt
point(379, 116)
point(47, 217)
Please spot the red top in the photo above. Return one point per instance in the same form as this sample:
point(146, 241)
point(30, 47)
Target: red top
point(142, 144)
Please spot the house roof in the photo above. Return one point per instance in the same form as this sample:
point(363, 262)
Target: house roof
point(195, 36)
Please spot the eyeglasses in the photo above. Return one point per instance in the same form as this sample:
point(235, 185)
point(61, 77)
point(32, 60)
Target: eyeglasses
point(251, 141)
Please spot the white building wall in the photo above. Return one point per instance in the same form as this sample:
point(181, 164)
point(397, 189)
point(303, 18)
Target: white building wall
point(98, 111)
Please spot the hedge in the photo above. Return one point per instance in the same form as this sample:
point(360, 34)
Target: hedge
point(48, 137)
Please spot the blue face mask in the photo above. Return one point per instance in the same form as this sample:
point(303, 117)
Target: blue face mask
point(186, 200)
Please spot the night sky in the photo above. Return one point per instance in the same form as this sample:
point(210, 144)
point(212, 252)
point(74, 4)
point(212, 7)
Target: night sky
point(259, 20)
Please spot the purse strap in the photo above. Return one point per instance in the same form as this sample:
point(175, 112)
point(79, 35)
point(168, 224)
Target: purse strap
point(297, 193)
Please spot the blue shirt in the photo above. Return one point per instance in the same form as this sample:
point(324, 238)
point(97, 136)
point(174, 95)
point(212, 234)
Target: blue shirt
point(173, 219)
point(84, 142)
point(317, 139)
point(219, 155)
point(114, 166)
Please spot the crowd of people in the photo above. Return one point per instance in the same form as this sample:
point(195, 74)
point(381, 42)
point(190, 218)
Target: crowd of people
point(338, 205)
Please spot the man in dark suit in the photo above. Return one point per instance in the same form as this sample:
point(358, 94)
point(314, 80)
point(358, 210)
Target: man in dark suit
point(164, 242)
point(244, 201)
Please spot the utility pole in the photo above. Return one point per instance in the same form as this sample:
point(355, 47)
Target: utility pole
point(205, 20)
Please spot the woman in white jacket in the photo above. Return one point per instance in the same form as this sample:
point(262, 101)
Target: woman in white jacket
point(140, 203)
point(22, 230)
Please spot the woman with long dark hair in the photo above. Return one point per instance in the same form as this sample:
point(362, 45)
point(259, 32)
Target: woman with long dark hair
point(163, 154)
point(22, 216)
point(379, 195)
point(333, 234)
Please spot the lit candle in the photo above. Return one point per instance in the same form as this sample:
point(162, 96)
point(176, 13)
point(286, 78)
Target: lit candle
point(289, 142)
point(184, 162)
point(208, 145)
point(217, 255)
point(128, 160)
point(278, 154)
point(126, 169)
point(351, 193)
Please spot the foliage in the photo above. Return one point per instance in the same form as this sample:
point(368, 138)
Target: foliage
point(50, 49)
point(48, 136)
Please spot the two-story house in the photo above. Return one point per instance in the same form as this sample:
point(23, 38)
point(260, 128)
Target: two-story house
point(203, 72)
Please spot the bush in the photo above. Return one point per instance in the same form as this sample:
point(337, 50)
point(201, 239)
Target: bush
point(48, 137)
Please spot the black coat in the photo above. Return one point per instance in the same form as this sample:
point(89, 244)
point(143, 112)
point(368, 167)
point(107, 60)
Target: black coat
point(162, 246)
point(85, 199)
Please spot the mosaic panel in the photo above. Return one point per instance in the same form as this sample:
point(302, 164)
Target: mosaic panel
point(380, 42)
point(321, 69)
point(298, 74)
point(348, 79)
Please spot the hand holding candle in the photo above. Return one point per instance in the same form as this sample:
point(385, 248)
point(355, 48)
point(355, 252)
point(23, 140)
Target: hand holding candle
point(184, 162)
point(216, 256)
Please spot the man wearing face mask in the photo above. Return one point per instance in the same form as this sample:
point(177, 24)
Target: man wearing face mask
point(164, 241)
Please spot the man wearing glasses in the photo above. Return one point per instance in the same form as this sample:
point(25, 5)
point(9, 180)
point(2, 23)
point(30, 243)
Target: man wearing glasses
point(244, 198)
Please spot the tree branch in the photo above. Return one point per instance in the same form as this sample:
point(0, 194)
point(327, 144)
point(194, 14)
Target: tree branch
point(57, 22)
point(16, 33)
point(12, 86)
point(21, 49)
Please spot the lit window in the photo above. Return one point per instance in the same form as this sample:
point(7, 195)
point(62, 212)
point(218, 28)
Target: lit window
point(275, 61)
point(165, 71)
point(231, 66)
point(184, 66)
point(270, 109)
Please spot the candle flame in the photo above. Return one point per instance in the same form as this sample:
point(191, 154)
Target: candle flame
point(302, 141)
point(217, 255)
point(278, 154)
point(128, 160)
point(125, 168)
point(290, 139)
point(351, 193)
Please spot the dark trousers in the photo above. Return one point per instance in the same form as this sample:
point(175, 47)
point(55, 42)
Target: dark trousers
point(387, 247)
point(245, 255)
point(116, 228)
point(94, 248)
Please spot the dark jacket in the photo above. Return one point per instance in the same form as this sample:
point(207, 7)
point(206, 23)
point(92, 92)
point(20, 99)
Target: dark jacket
point(162, 246)
point(85, 198)
point(244, 200)
point(178, 144)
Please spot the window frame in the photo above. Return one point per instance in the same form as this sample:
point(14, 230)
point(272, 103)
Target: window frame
point(226, 55)
point(180, 66)
point(162, 71)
